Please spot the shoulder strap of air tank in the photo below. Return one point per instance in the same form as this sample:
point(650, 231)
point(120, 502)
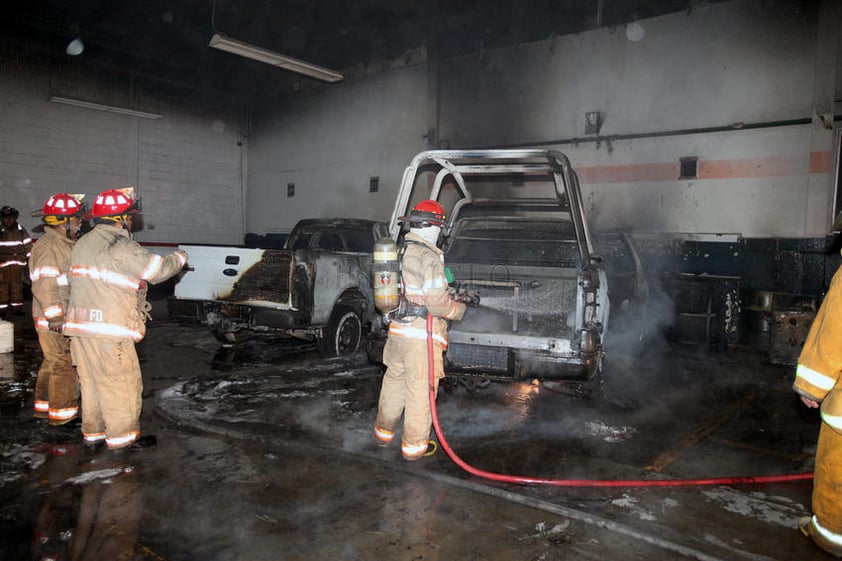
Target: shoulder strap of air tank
point(404, 245)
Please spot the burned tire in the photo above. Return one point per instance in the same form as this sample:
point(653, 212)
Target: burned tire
point(232, 338)
point(376, 341)
point(222, 330)
point(374, 350)
point(343, 333)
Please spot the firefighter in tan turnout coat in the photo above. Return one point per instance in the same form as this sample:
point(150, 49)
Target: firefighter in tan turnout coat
point(817, 381)
point(405, 388)
point(57, 387)
point(109, 273)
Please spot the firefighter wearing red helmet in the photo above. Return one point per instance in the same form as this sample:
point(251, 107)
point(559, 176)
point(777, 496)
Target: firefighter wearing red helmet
point(405, 390)
point(15, 246)
point(109, 272)
point(57, 386)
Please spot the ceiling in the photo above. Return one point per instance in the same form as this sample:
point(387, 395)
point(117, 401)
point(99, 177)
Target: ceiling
point(168, 39)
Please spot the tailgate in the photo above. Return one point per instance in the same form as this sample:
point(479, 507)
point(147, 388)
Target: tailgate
point(236, 274)
point(533, 303)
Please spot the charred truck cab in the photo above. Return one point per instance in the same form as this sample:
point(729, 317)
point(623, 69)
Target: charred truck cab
point(315, 288)
point(516, 233)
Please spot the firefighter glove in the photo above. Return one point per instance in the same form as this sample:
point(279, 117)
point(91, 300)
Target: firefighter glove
point(55, 323)
point(467, 297)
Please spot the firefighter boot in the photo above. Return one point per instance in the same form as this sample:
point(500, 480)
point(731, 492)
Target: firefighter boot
point(432, 446)
point(809, 527)
point(146, 441)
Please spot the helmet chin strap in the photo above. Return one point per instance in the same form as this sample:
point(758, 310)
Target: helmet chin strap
point(68, 229)
point(125, 226)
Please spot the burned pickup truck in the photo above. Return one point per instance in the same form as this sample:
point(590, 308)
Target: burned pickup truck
point(317, 287)
point(516, 233)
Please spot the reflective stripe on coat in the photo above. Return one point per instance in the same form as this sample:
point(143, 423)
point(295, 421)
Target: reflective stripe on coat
point(48, 266)
point(108, 275)
point(15, 246)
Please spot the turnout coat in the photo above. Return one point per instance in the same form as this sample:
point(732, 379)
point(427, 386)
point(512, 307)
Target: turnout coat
point(108, 277)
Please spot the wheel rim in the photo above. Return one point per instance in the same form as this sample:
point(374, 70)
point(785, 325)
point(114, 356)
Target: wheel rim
point(348, 334)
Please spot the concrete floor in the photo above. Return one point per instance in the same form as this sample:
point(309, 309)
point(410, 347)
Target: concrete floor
point(265, 453)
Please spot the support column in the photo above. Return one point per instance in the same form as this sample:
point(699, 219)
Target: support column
point(822, 197)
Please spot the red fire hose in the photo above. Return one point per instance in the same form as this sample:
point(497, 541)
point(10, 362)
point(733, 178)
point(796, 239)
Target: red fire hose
point(522, 480)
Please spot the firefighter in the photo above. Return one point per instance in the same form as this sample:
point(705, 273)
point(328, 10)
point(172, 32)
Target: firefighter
point(817, 383)
point(109, 272)
point(405, 388)
point(15, 246)
point(57, 387)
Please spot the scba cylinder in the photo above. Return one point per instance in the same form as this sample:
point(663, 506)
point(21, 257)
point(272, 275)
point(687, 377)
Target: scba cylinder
point(384, 273)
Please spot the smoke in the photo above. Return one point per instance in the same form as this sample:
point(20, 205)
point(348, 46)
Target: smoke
point(635, 327)
point(484, 319)
point(636, 344)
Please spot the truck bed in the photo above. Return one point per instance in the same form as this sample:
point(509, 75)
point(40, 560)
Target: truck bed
point(236, 275)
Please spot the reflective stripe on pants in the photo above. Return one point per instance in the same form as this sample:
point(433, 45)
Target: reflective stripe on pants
point(57, 383)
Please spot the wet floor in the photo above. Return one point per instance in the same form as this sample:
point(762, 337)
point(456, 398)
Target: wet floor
point(265, 452)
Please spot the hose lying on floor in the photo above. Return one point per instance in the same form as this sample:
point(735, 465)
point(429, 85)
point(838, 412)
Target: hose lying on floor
point(522, 480)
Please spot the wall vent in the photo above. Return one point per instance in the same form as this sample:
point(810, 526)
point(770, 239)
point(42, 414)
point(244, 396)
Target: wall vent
point(689, 167)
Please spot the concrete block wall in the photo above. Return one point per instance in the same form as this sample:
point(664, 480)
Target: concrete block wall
point(749, 182)
point(745, 61)
point(728, 84)
point(329, 144)
point(189, 170)
point(186, 165)
point(694, 78)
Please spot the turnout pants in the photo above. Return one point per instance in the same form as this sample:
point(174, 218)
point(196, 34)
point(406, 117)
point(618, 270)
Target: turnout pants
point(826, 525)
point(112, 388)
point(405, 391)
point(57, 386)
point(11, 287)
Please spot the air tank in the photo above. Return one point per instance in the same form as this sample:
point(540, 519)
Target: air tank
point(385, 275)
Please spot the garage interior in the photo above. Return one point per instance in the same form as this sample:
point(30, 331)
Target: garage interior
point(704, 136)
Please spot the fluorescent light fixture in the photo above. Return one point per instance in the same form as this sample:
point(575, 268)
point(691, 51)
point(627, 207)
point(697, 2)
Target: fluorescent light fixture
point(233, 46)
point(101, 107)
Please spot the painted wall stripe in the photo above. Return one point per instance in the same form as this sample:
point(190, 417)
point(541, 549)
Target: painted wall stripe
point(819, 162)
point(753, 167)
point(629, 173)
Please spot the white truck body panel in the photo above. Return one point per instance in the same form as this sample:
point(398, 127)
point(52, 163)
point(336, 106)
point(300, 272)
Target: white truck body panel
point(207, 276)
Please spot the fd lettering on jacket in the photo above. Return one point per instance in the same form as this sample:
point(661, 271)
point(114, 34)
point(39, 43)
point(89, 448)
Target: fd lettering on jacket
point(85, 314)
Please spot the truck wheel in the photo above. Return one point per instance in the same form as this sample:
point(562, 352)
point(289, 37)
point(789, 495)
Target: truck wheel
point(374, 350)
point(376, 340)
point(221, 329)
point(232, 338)
point(343, 334)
